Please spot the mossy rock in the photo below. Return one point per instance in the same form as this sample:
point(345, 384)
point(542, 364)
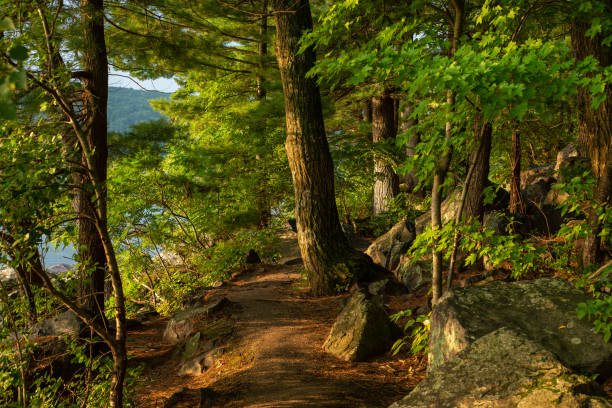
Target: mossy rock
point(544, 310)
point(361, 331)
point(504, 369)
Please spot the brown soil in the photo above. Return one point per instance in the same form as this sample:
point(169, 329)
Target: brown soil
point(274, 356)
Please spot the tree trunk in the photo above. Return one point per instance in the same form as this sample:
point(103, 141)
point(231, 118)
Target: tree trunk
point(95, 96)
point(93, 232)
point(386, 181)
point(516, 200)
point(263, 204)
point(444, 164)
point(474, 202)
point(595, 132)
point(329, 261)
point(410, 180)
point(366, 111)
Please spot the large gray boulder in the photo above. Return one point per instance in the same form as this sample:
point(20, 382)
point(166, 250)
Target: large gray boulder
point(504, 369)
point(184, 323)
point(65, 323)
point(362, 330)
point(544, 310)
point(388, 248)
point(413, 274)
point(535, 174)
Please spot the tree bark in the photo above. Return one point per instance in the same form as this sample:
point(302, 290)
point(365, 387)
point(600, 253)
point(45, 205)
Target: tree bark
point(263, 204)
point(516, 200)
point(95, 96)
point(474, 202)
point(366, 111)
point(410, 180)
point(329, 261)
point(595, 132)
point(386, 181)
point(93, 230)
point(262, 51)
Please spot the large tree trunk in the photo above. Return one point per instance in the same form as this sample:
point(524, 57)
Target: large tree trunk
point(263, 204)
point(93, 232)
point(595, 132)
point(329, 261)
point(95, 96)
point(474, 200)
point(386, 181)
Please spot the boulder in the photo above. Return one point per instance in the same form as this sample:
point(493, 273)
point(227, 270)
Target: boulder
point(64, 323)
point(386, 287)
point(555, 197)
point(58, 269)
point(497, 222)
point(414, 275)
point(565, 155)
point(535, 174)
point(252, 257)
point(169, 258)
point(184, 323)
point(198, 364)
point(543, 309)
point(8, 274)
point(292, 223)
point(387, 249)
point(145, 313)
point(450, 205)
point(536, 193)
point(545, 219)
point(504, 369)
point(362, 330)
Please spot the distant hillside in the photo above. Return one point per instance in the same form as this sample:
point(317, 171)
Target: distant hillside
point(127, 107)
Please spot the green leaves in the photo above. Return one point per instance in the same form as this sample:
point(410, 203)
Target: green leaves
point(11, 79)
point(418, 329)
point(18, 52)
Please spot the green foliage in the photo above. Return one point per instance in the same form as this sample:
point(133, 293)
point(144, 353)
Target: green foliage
point(478, 242)
point(11, 79)
point(579, 190)
point(418, 329)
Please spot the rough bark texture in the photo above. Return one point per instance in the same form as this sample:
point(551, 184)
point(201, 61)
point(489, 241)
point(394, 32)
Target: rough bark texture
point(263, 203)
point(366, 111)
point(595, 132)
point(474, 200)
point(386, 181)
point(516, 200)
point(262, 51)
point(93, 233)
point(409, 180)
point(329, 261)
point(95, 96)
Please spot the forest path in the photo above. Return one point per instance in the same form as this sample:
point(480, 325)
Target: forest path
point(274, 357)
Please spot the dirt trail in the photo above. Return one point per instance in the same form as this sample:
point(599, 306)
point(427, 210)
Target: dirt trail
point(274, 357)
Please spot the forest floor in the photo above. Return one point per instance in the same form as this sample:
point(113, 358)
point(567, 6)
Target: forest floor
point(274, 356)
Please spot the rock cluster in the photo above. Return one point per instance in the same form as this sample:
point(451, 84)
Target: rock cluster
point(513, 345)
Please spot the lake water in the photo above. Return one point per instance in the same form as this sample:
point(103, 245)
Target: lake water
point(62, 255)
